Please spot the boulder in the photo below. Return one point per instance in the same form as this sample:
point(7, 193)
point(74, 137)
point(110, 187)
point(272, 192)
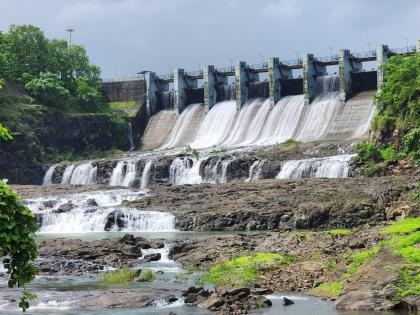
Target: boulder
point(287, 301)
point(152, 257)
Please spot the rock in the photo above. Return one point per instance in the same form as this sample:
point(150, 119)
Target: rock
point(50, 203)
point(191, 298)
point(64, 208)
point(213, 303)
point(92, 203)
point(287, 301)
point(156, 244)
point(236, 291)
point(261, 291)
point(152, 257)
point(115, 220)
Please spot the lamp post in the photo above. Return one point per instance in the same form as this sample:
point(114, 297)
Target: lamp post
point(331, 52)
point(70, 31)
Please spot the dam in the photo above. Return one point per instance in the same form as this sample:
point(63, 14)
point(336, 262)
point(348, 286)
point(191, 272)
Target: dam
point(235, 107)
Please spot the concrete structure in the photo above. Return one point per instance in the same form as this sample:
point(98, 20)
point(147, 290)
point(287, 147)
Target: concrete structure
point(276, 73)
point(311, 70)
point(211, 79)
point(418, 45)
point(181, 83)
point(243, 77)
point(346, 65)
point(382, 55)
point(152, 86)
point(124, 91)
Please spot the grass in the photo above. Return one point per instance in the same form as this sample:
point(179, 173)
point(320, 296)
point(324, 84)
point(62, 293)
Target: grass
point(291, 143)
point(336, 232)
point(128, 107)
point(243, 270)
point(359, 259)
point(328, 289)
point(330, 264)
point(147, 275)
point(405, 226)
point(119, 276)
point(407, 283)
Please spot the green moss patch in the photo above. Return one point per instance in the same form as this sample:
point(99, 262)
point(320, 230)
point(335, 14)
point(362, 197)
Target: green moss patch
point(404, 226)
point(242, 270)
point(332, 289)
point(336, 232)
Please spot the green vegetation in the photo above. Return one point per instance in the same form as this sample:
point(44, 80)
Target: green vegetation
point(219, 151)
point(55, 74)
point(119, 276)
point(291, 143)
point(191, 151)
point(407, 283)
point(336, 232)
point(331, 265)
point(17, 242)
point(332, 289)
point(147, 275)
point(242, 270)
point(359, 259)
point(405, 226)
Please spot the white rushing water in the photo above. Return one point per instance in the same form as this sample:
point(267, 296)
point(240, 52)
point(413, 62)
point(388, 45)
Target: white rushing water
point(146, 174)
point(319, 115)
point(337, 166)
point(283, 121)
point(97, 211)
point(48, 176)
point(124, 174)
point(182, 127)
point(185, 171)
point(255, 170)
point(216, 125)
point(83, 174)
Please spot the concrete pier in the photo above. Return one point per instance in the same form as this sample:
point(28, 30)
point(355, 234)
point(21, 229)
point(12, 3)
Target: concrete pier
point(311, 70)
point(211, 80)
point(243, 77)
point(276, 73)
point(151, 87)
point(346, 65)
point(181, 83)
point(418, 45)
point(382, 55)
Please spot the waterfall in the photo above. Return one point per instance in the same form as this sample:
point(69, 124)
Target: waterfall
point(84, 174)
point(319, 116)
point(255, 170)
point(216, 125)
point(165, 100)
point(242, 123)
point(283, 121)
point(146, 174)
point(182, 128)
point(364, 126)
point(337, 166)
point(124, 174)
point(216, 170)
point(67, 174)
point(226, 92)
point(48, 176)
point(131, 137)
point(185, 171)
point(327, 83)
point(97, 211)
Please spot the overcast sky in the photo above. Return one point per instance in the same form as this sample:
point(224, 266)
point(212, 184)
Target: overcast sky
point(126, 36)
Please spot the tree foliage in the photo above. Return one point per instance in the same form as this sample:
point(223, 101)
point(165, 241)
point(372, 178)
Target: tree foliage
point(50, 69)
point(17, 241)
point(398, 99)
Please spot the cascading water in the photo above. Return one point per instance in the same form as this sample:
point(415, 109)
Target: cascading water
point(146, 174)
point(216, 125)
point(96, 212)
point(337, 166)
point(283, 121)
point(226, 92)
point(130, 136)
point(48, 176)
point(124, 174)
point(320, 113)
point(255, 170)
point(327, 83)
point(67, 174)
point(216, 171)
point(185, 171)
point(165, 100)
point(183, 129)
point(84, 174)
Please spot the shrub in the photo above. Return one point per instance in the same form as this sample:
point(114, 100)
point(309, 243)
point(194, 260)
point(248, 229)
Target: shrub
point(370, 169)
point(290, 143)
point(119, 276)
point(147, 275)
point(367, 151)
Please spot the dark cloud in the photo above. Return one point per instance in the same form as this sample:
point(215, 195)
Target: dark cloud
point(126, 36)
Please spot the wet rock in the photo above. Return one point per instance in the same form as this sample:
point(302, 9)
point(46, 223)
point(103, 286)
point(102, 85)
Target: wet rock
point(287, 301)
point(92, 203)
point(64, 208)
point(50, 203)
point(191, 298)
point(261, 291)
point(152, 257)
point(115, 220)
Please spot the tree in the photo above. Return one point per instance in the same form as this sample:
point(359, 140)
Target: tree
point(49, 90)
point(26, 48)
point(89, 98)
